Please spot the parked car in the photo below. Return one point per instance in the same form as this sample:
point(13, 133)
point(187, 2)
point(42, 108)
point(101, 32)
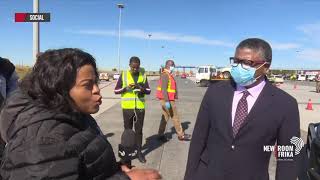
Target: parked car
point(116, 76)
point(301, 77)
point(276, 79)
point(104, 76)
point(183, 76)
point(311, 78)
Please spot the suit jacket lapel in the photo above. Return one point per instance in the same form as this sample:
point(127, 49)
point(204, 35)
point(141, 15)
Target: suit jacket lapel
point(264, 100)
point(228, 104)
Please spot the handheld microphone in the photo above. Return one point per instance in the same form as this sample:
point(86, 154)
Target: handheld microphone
point(127, 149)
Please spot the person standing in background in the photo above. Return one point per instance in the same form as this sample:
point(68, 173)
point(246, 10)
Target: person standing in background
point(167, 93)
point(318, 82)
point(133, 86)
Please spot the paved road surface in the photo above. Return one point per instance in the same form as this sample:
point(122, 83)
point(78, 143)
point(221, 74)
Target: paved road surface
point(170, 158)
point(302, 83)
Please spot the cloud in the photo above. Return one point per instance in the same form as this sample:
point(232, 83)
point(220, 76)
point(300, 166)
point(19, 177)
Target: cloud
point(311, 30)
point(140, 34)
point(164, 36)
point(309, 54)
point(94, 32)
point(284, 46)
point(136, 34)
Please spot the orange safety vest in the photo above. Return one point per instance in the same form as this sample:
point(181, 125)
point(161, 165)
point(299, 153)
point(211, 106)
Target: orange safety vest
point(172, 88)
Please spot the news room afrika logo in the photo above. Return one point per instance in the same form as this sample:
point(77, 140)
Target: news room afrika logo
point(286, 152)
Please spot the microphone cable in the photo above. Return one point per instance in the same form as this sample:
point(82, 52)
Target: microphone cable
point(135, 116)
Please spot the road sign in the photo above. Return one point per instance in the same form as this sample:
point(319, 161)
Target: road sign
point(32, 17)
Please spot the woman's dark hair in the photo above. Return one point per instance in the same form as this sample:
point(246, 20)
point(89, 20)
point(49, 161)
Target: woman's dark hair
point(53, 76)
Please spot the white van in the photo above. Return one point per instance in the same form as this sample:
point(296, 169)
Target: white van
point(301, 77)
point(204, 73)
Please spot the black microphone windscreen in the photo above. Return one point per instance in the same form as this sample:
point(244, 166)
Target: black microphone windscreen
point(128, 148)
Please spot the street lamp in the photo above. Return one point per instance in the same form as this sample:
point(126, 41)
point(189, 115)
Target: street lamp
point(35, 31)
point(120, 6)
point(148, 53)
point(167, 53)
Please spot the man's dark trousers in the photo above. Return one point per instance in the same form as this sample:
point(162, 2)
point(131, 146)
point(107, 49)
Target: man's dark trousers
point(130, 120)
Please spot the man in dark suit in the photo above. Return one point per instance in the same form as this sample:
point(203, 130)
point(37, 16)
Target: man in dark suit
point(238, 119)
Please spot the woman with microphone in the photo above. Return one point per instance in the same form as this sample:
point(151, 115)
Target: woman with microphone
point(48, 129)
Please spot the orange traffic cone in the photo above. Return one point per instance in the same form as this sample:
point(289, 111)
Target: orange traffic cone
point(309, 105)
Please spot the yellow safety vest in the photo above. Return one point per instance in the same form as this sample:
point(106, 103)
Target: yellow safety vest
point(129, 99)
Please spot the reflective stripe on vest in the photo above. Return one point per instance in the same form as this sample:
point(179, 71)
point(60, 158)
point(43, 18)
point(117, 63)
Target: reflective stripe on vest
point(171, 88)
point(129, 99)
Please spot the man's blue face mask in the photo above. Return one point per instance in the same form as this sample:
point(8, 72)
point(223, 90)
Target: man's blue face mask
point(244, 76)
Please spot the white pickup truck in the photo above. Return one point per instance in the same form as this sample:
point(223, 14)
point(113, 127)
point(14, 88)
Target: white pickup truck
point(210, 73)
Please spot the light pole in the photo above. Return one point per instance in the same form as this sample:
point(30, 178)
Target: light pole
point(167, 53)
point(164, 52)
point(36, 41)
point(149, 35)
point(149, 53)
point(120, 6)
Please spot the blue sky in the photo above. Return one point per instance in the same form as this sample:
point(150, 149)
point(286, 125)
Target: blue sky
point(192, 32)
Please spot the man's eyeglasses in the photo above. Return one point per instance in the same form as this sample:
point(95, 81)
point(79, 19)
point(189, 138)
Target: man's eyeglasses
point(246, 64)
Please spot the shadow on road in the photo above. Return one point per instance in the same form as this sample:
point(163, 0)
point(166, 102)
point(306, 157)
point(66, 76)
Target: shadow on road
point(153, 142)
point(108, 135)
point(313, 91)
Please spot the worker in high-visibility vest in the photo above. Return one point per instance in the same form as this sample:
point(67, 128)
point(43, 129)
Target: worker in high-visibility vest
point(133, 86)
point(167, 94)
point(317, 83)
